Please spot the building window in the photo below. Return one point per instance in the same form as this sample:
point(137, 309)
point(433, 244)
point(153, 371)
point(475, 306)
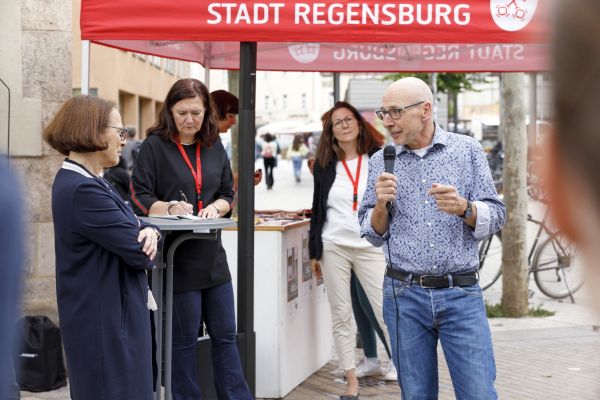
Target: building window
point(285, 102)
point(267, 101)
point(154, 60)
point(91, 91)
point(181, 69)
point(170, 66)
point(303, 101)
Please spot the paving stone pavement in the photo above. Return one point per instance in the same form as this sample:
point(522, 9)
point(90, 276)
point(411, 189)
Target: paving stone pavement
point(547, 358)
point(532, 364)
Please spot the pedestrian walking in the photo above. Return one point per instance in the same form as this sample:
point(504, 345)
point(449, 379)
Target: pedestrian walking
point(269, 155)
point(297, 152)
point(429, 216)
point(335, 246)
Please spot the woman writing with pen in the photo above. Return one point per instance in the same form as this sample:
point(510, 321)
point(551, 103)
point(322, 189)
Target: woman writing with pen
point(182, 168)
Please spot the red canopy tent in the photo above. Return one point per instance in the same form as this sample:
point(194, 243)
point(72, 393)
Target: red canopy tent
point(326, 35)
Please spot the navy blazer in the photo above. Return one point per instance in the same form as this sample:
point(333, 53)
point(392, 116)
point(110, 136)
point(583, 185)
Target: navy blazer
point(102, 289)
point(323, 181)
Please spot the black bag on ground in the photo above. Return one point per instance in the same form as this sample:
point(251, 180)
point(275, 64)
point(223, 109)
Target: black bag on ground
point(39, 363)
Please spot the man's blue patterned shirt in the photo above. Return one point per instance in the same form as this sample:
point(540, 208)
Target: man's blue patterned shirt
point(421, 238)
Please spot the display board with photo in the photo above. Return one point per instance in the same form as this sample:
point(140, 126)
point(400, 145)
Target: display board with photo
point(306, 271)
point(292, 273)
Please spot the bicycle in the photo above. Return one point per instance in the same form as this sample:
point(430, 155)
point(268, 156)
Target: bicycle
point(551, 261)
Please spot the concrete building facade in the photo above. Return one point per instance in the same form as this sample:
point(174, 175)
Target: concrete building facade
point(136, 83)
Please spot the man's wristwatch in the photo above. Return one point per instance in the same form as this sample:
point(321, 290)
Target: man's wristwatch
point(469, 211)
point(172, 203)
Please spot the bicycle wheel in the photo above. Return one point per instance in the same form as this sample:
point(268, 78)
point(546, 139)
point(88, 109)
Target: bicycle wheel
point(555, 268)
point(490, 257)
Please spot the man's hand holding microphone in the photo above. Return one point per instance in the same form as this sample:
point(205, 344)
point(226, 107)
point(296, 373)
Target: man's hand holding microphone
point(386, 190)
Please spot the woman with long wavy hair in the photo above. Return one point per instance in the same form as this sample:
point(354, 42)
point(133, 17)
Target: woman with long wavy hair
point(336, 248)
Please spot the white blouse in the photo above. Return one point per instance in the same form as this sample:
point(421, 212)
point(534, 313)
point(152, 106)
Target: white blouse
point(341, 226)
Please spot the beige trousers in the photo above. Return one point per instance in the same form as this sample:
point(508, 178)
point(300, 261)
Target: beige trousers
point(369, 266)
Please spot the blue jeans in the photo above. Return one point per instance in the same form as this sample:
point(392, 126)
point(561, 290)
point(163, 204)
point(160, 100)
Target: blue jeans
point(216, 307)
point(416, 318)
point(297, 163)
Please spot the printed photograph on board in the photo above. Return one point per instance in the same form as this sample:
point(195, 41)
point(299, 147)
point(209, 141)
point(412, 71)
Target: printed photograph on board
point(292, 274)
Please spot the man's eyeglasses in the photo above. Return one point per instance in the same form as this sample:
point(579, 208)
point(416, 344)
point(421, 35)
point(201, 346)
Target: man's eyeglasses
point(348, 121)
point(122, 131)
point(395, 113)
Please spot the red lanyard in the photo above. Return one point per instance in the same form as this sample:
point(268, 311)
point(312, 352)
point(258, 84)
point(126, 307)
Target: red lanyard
point(196, 174)
point(354, 182)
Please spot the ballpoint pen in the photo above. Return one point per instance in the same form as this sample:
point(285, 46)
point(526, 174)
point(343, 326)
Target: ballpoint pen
point(182, 195)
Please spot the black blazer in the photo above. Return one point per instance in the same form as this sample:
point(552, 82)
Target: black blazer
point(323, 180)
point(160, 173)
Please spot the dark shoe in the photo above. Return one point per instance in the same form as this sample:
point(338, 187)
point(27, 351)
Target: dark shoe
point(349, 397)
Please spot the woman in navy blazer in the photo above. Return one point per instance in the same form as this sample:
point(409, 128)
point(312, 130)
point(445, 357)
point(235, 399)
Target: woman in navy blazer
point(102, 254)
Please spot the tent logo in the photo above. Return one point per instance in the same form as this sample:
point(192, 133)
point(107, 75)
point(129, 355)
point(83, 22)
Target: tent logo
point(513, 15)
point(304, 53)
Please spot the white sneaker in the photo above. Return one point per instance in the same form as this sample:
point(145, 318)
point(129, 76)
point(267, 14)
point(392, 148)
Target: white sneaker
point(390, 373)
point(368, 367)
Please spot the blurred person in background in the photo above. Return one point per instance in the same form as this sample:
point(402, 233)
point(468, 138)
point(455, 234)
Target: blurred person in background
point(335, 246)
point(572, 152)
point(13, 253)
point(269, 154)
point(102, 254)
point(131, 148)
point(227, 108)
point(119, 178)
point(296, 152)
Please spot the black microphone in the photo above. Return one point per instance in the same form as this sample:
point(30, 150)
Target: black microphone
point(389, 158)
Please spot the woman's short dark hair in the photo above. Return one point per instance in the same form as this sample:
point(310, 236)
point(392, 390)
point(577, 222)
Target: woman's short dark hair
point(368, 136)
point(186, 89)
point(78, 125)
point(225, 103)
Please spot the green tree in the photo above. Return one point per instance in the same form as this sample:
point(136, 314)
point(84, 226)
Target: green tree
point(451, 83)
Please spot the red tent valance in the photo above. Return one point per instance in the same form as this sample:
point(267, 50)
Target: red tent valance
point(451, 35)
point(449, 21)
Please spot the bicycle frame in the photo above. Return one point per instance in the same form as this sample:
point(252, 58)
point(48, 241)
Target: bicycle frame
point(542, 228)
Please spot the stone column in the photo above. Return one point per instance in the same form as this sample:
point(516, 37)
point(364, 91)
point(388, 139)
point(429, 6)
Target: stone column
point(39, 73)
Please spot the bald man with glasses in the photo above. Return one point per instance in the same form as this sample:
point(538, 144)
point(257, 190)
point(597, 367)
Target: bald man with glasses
point(429, 216)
